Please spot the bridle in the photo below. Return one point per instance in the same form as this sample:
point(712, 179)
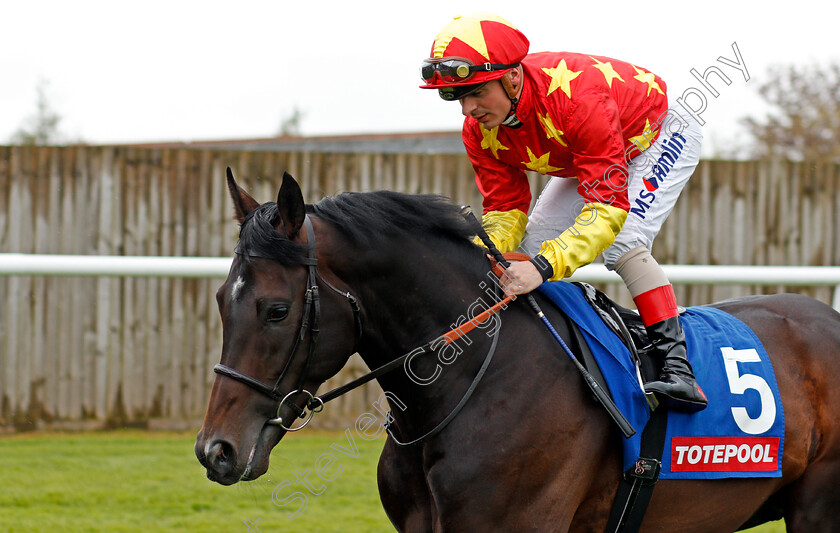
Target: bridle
point(310, 323)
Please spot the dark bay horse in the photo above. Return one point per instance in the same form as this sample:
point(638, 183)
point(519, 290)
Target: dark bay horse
point(529, 450)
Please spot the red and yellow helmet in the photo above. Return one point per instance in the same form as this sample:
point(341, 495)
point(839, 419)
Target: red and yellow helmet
point(470, 51)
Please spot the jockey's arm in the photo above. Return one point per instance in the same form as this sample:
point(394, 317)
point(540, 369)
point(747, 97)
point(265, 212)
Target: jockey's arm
point(596, 141)
point(505, 228)
point(594, 230)
point(506, 193)
point(597, 149)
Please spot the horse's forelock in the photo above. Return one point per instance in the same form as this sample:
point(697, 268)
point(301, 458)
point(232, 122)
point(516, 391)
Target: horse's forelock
point(259, 237)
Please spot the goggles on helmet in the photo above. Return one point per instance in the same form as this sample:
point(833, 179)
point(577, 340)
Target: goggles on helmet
point(450, 93)
point(456, 69)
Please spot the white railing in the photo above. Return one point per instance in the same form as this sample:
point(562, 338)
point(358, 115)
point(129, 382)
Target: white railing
point(113, 265)
point(731, 275)
point(217, 267)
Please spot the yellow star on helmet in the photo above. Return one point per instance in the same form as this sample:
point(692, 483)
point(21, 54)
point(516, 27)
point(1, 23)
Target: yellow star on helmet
point(647, 77)
point(539, 164)
point(643, 141)
point(561, 78)
point(467, 29)
point(489, 140)
point(607, 70)
point(550, 131)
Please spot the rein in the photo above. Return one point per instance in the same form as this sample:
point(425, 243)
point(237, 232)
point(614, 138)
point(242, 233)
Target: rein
point(312, 307)
point(447, 338)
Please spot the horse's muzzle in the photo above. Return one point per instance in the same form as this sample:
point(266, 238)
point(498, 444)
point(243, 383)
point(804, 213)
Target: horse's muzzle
point(219, 458)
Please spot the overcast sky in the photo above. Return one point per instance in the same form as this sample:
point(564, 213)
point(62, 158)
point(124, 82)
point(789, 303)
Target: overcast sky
point(122, 71)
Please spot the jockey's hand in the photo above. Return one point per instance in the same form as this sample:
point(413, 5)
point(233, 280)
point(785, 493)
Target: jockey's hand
point(521, 277)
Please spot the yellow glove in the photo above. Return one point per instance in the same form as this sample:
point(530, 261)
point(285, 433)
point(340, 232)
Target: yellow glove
point(505, 228)
point(593, 232)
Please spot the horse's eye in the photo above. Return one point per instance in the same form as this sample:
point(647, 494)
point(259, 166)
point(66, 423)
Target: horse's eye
point(277, 313)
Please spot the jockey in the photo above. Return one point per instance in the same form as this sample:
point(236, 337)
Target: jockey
point(617, 155)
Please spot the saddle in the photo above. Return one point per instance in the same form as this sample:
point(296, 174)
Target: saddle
point(627, 326)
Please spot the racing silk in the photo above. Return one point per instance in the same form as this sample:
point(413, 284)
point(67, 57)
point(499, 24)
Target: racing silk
point(583, 117)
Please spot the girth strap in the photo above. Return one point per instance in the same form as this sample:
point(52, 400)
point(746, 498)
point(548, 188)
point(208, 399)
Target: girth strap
point(636, 486)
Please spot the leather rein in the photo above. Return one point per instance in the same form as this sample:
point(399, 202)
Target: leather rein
point(310, 324)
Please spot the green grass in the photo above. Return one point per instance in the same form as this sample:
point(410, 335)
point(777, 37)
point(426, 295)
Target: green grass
point(133, 481)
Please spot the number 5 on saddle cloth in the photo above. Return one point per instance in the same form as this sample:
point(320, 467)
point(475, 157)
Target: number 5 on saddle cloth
point(741, 432)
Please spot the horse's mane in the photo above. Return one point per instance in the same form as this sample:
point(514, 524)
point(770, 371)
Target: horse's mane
point(365, 218)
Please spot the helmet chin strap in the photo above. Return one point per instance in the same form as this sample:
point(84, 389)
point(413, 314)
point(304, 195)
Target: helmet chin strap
point(512, 121)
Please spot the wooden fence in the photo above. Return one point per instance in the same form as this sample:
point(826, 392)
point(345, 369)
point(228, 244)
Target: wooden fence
point(96, 351)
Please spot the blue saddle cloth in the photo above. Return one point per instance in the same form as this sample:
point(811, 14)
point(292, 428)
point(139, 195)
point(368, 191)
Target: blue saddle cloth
point(739, 434)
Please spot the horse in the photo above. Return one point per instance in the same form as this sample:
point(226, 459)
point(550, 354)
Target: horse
point(528, 450)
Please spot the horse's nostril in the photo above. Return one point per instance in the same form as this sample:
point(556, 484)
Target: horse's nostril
point(221, 456)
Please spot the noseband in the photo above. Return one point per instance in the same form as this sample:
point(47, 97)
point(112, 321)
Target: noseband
point(309, 323)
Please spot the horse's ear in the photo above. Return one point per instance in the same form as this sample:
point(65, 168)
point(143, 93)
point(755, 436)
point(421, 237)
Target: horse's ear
point(243, 203)
point(290, 205)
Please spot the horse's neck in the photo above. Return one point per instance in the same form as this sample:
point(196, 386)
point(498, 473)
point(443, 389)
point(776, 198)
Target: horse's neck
point(411, 307)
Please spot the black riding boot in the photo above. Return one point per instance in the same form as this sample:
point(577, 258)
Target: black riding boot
point(676, 387)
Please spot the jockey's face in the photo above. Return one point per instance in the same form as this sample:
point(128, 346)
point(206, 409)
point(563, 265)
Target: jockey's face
point(489, 105)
